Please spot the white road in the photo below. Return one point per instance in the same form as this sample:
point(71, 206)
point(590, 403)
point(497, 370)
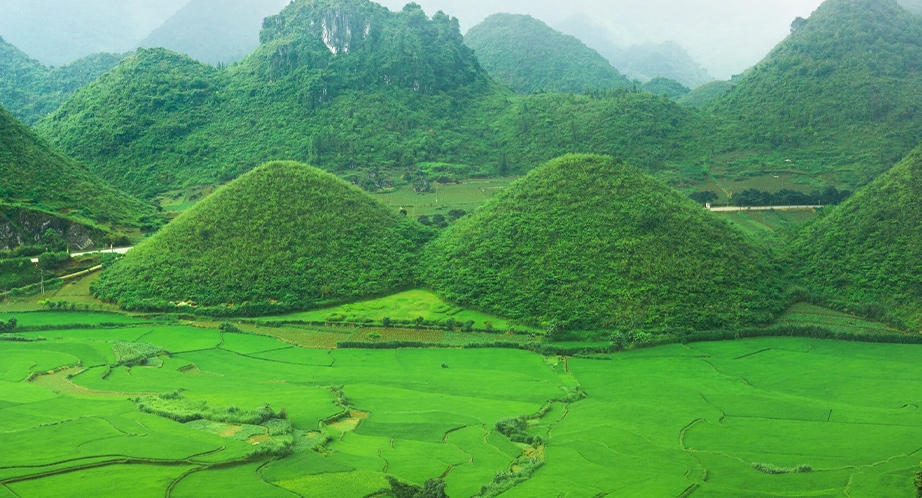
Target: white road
point(734, 209)
point(117, 250)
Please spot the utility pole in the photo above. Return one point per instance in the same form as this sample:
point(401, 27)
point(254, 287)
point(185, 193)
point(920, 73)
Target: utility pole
point(42, 273)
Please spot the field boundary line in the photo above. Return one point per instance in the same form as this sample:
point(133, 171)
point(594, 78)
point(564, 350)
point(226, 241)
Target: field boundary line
point(753, 354)
point(259, 473)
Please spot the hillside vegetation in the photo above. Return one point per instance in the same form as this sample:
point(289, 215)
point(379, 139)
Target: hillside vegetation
point(529, 56)
point(373, 108)
point(869, 250)
point(34, 176)
point(31, 90)
point(283, 236)
point(589, 242)
point(841, 96)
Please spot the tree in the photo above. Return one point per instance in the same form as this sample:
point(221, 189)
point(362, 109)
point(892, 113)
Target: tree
point(424, 220)
point(9, 325)
point(433, 488)
point(918, 483)
point(798, 23)
point(703, 197)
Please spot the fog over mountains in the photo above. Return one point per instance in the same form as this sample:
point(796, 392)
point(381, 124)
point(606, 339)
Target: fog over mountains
point(724, 36)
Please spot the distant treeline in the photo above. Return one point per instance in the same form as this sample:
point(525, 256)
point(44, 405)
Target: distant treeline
point(831, 196)
point(752, 197)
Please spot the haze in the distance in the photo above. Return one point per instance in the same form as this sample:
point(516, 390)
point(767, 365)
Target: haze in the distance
point(725, 36)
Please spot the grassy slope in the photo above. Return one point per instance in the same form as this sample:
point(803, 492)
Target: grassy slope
point(840, 96)
point(588, 242)
point(529, 56)
point(869, 249)
point(34, 176)
point(283, 236)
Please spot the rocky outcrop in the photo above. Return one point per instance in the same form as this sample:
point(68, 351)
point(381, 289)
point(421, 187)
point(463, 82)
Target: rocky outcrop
point(20, 226)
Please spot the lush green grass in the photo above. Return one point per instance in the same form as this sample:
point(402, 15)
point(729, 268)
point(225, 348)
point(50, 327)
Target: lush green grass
point(803, 314)
point(764, 225)
point(403, 309)
point(655, 422)
point(68, 318)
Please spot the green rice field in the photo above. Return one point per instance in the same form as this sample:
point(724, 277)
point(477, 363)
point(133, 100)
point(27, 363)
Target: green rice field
point(405, 307)
point(172, 410)
point(465, 196)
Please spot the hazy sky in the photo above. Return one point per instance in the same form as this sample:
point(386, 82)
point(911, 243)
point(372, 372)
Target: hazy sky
point(724, 36)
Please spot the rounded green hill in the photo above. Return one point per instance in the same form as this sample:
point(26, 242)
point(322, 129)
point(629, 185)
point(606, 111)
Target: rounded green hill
point(281, 237)
point(869, 249)
point(587, 242)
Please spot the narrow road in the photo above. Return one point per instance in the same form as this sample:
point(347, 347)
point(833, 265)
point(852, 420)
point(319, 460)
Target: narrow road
point(117, 250)
point(734, 209)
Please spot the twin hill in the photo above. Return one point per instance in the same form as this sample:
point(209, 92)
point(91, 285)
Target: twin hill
point(869, 249)
point(529, 56)
point(589, 242)
point(283, 236)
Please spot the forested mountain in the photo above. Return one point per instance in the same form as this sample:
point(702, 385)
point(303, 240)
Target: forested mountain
point(357, 90)
point(869, 250)
point(641, 62)
point(232, 28)
point(57, 32)
point(665, 86)
point(31, 90)
point(706, 94)
point(587, 241)
point(529, 56)
point(35, 177)
point(841, 97)
point(283, 236)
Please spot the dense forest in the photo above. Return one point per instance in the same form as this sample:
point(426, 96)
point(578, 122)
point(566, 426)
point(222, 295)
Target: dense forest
point(589, 242)
point(284, 236)
point(841, 97)
point(408, 92)
point(529, 56)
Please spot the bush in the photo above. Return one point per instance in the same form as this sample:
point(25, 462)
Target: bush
point(767, 468)
point(9, 325)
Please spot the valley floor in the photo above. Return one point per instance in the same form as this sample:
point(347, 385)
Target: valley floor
point(746, 418)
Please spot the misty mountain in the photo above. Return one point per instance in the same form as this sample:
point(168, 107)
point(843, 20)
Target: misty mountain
point(914, 6)
point(641, 62)
point(232, 28)
point(529, 56)
point(30, 90)
point(56, 32)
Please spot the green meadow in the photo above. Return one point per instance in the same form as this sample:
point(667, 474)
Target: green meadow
point(183, 411)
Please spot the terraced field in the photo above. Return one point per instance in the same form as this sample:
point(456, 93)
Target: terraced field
point(748, 418)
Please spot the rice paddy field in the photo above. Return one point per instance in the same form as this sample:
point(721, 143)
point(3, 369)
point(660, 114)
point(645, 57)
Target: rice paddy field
point(160, 409)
